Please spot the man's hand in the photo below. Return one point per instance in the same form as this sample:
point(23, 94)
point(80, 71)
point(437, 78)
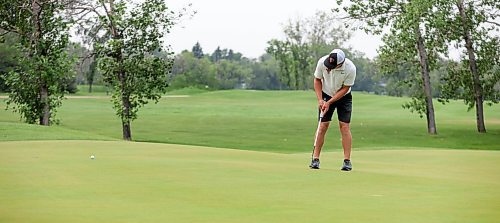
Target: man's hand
point(340, 93)
point(325, 106)
point(320, 104)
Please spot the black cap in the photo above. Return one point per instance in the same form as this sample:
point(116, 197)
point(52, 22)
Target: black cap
point(337, 56)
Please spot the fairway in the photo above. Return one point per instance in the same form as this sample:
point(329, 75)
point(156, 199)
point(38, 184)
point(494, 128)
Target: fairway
point(56, 181)
point(273, 121)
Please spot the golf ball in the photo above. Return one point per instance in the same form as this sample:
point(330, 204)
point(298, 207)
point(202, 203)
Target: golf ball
point(92, 157)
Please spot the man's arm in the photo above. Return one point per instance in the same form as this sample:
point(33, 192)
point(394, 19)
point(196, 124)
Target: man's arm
point(340, 93)
point(318, 88)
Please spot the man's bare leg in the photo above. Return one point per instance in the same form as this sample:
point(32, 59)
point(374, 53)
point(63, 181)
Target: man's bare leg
point(345, 131)
point(320, 140)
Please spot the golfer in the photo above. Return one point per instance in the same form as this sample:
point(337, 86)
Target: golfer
point(333, 79)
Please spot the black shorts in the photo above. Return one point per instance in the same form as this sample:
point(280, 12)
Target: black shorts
point(344, 108)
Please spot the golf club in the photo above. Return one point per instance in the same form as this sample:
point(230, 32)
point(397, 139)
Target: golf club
point(316, 136)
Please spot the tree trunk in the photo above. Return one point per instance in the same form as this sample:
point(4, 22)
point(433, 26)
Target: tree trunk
point(125, 116)
point(289, 76)
point(127, 134)
point(478, 94)
point(424, 65)
point(44, 90)
point(303, 73)
point(297, 80)
point(44, 99)
point(90, 86)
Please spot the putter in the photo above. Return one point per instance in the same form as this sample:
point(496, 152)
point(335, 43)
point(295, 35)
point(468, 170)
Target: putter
point(316, 136)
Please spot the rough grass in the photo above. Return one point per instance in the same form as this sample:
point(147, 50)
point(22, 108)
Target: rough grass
point(282, 121)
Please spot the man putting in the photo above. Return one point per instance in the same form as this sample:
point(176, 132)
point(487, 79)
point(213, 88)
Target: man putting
point(334, 77)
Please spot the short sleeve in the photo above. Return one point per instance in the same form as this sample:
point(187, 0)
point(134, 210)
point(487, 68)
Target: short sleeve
point(349, 80)
point(318, 73)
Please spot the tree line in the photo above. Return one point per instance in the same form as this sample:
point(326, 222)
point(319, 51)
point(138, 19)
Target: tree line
point(286, 65)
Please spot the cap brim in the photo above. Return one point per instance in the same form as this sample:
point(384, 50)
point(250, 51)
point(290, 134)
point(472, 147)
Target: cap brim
point(328, 64)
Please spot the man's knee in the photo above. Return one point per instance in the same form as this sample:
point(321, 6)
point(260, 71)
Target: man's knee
point(344, 128)
point(323, 127)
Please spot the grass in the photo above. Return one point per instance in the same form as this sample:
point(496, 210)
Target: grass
point(19, 132)
point(55, 181)
point(401, 174)
point(96, 90)
point(102, 90)
point(274, 121)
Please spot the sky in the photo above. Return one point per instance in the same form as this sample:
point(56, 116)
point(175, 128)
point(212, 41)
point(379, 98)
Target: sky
point(247, 26)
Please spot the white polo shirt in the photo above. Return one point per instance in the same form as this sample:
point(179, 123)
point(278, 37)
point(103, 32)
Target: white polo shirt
point(336, 78)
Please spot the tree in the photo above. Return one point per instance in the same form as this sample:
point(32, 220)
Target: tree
point(280, 51)
point(306, 41)
point(197, 50)
point(231, 74)
point(265, 73)
point(366, 74)
point(413, 34)
point(324, 35)
point(36, 86)
point(91, 74)
point(294, 56)
point(84, 59)
point(189, 71)
point(230, 55)
point(8, 59)
point(216, 55)
point(471, 24)
point(128, 61)
point(235, 56)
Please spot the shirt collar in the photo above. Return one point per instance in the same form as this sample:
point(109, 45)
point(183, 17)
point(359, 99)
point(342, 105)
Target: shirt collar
point(341, 67)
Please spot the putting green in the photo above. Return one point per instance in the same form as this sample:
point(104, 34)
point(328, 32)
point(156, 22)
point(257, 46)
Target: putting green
point(56, 181)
